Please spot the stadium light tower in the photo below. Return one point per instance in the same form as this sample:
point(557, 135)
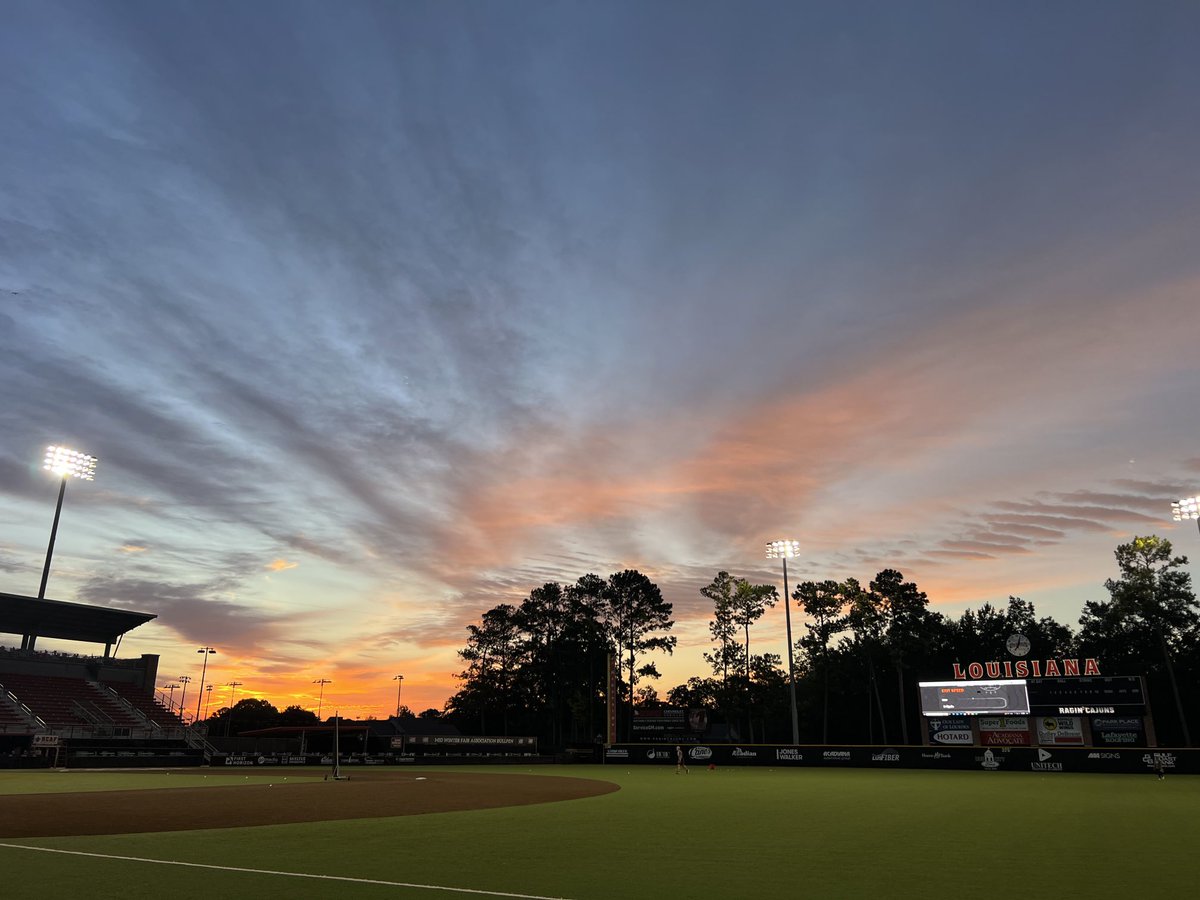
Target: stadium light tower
point(207, 651)
point(184, 680)
point(66, 463)
point(1187, 508)
point(207, 701)
point(322, 682)
point(785, 550)
point(172, 687)
point(233, 686)
point(399, 679)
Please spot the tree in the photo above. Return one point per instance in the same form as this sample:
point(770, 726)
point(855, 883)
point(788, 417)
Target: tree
point(647, 696)
point(587, 647)
point(492, 655)
point(747, 605)
point(721, 627)
point(867, 620)
point(1151, 604)
point(247, 714)
point(903, 608)
point(823, 603)
point(297, 715)
point(633, 612)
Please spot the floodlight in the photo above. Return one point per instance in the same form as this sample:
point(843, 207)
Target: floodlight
point(1187, 508)
point(782, 549)
point(65, 463)
point(69, 463)
point(786, 550)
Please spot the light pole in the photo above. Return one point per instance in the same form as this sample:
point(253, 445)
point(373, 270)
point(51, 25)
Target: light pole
point(399, 679)
point(185, 679)
point(171, 703)
point(207, 651)
point(66, 463)
point(784, 550)
point(322, 682)
point(1187, 508)
point(207, 701)
point(233, 686)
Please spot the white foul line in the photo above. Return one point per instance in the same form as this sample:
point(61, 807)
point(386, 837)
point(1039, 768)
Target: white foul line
point(173, 862)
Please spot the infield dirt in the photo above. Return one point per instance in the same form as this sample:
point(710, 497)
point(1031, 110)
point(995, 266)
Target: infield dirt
point(265, 800)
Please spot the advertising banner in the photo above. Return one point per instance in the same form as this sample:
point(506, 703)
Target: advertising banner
point(979, 759)
point(659, 723)
point(1005, 731)
point(1058, 731)
point(669, 723)
point(953, 731)
point(1117, 731)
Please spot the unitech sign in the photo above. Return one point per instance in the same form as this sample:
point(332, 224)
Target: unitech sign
point(1028, 668)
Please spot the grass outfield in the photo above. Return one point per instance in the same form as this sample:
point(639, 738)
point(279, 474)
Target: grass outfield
point(752, 833)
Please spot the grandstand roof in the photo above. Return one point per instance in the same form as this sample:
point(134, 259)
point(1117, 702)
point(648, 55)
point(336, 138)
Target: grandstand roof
point(66, 621)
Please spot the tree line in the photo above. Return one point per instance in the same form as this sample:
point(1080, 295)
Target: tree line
point(540, 667)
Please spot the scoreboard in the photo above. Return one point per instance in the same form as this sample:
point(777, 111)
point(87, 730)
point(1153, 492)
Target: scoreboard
point(974, 698)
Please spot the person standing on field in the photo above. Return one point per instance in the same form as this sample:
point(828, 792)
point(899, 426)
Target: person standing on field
point(680, 765)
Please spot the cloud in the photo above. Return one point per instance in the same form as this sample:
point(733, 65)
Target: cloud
point(193, 611)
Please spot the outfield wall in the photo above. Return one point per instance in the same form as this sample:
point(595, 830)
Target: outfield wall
point(987, 759)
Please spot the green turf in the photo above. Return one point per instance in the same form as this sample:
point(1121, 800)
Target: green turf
point(728, 833)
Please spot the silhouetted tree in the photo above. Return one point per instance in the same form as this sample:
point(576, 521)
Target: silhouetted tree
point(635, 613)
point(1152, 611)
point(823, 603)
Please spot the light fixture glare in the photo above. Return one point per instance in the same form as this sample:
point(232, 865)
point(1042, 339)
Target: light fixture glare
point(69, 463)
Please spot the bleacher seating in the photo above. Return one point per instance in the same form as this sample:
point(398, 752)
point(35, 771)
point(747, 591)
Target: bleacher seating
point(10, 718)
point(56, 700)
point(147, 706)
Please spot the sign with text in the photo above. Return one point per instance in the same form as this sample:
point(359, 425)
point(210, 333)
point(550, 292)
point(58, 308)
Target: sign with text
point(952, 731)
point(979, 759)
point(1118, 695)
point(1116, 731)
point(669, 723)
point(1058, 731)
point(973, 698)
point(1005, 731)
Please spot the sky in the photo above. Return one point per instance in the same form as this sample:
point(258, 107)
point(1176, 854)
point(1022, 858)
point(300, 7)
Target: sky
point(377, 315)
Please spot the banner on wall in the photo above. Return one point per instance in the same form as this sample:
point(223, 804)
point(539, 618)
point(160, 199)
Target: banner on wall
point(979, 759)
point(1059, 731)
point(1117, 731)
point(1005, 731)
point(953, 731)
